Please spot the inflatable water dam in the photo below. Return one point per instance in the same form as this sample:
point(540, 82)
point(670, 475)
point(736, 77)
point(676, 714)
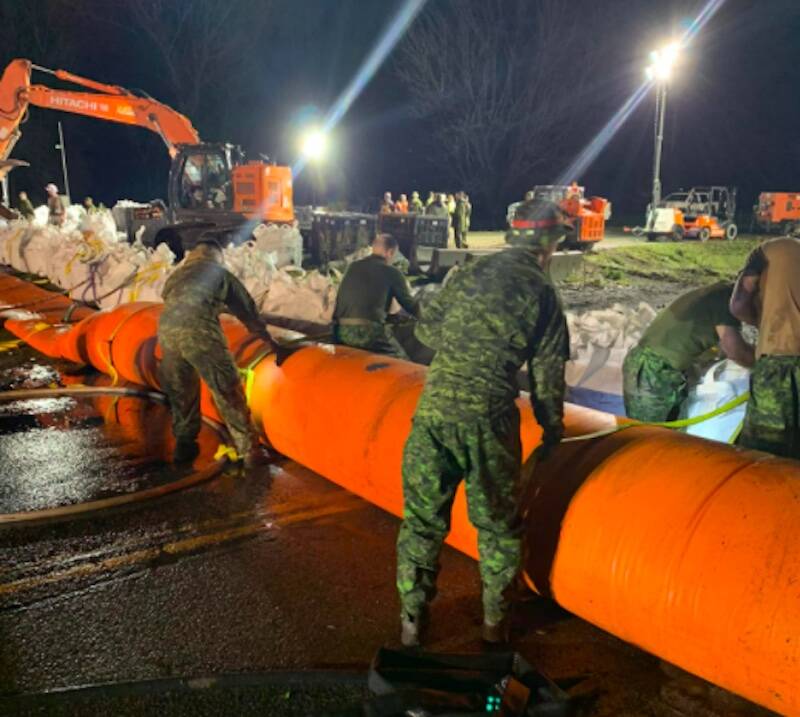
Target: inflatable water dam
point(687, 548)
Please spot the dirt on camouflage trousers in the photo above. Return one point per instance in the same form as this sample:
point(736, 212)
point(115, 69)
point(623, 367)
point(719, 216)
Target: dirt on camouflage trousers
point(373, 337)
point(486, 454)
point(772, 421)
point(192, 353)
point(652, 389)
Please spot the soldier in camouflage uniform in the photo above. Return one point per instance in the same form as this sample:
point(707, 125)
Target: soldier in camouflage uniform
point(767, 295)
point(25, 206)
point(655, 371)
point(194, 347)
point(461, 221)
point(365, 295)
point(493, 316)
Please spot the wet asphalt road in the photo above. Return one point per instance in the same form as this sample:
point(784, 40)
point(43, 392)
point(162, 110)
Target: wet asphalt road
point(277, 580)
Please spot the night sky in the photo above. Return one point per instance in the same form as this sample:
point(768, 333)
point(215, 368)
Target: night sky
point(733, 111)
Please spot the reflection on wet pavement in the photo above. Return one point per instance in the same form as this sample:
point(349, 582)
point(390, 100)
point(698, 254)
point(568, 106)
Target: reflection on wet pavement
point(63, 451)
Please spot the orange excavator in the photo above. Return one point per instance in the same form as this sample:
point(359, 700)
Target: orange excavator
point(208, 182)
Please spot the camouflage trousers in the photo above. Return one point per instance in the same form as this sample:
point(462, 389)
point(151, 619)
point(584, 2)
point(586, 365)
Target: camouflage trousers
point(188, 356)
point(772, 421)
point(652, 389)
point(373, 337)
point(438, 454)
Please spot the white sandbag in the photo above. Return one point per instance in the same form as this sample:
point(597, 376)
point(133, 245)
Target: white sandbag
point(310, 297)
point(101, 223)
point(285, 242)
point(722, 383)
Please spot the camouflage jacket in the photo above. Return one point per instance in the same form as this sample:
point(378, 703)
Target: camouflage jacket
point(493, 316)
point(461, 216)
point(199, 291)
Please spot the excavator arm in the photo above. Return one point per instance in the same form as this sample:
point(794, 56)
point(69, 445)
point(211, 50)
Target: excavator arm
point(105, 102)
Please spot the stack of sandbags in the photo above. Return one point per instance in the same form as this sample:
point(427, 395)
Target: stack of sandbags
point(284, 242)
point(89, 259)
point(252, 266)
point(599, 341)
point(308, 296)
point(153, 268)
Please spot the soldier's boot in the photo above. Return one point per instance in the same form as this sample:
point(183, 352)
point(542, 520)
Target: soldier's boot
point(496, 633)
point(185, 451)
point(257, 457)
point(413, 628)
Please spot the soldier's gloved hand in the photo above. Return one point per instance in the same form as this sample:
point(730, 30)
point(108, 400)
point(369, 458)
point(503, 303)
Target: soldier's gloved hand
point(545, 449)
point(282, 353)
point(262, 333)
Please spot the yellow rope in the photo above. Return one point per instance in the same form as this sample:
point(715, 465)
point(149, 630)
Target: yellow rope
point(674, 425)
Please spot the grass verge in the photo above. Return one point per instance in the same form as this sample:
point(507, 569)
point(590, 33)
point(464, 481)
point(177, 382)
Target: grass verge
point(690, 263)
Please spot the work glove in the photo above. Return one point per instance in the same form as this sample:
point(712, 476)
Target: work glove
point(283, 352)
point(545, 449)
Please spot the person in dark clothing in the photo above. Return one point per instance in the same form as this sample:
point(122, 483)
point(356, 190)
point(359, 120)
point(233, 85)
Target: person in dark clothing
point(461, 217)
point(365, 297)
point(438, 208)
point(194, 347)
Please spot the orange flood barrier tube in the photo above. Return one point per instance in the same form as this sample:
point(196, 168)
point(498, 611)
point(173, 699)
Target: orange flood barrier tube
point(687, 548)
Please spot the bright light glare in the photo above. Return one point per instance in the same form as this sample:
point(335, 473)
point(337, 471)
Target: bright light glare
point(662, 62)
point(314, 145)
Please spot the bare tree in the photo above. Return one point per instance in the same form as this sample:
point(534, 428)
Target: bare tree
point(206, 49)
point(503, 83)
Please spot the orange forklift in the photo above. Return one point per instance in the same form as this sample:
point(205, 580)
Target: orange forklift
point(208, 182)
point(701, 213)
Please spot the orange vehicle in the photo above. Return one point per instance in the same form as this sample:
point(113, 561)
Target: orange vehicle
point(777, 212)
point(701, 213)
point(208, 182)
point(589, 216)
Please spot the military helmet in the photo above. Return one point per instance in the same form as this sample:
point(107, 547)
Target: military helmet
point(538, 223)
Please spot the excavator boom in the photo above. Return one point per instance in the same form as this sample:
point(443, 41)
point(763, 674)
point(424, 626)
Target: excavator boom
point(108, 102)
point(207, 182)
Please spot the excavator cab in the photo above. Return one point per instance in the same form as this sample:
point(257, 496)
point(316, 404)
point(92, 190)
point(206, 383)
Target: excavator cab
point(201, 184)
point(211, 182)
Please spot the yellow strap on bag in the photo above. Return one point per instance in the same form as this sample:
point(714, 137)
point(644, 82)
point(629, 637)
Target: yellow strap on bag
point(674, 425)
point(226, 451)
